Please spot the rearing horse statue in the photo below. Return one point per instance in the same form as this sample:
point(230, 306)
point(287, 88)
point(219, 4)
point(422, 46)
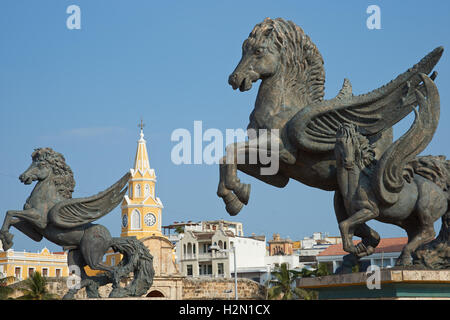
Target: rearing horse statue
point(290, 99)
point(51, 212)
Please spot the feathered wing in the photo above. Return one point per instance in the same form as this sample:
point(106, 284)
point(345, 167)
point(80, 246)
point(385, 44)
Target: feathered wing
point(389, 173)
point(72, 213)
point(313, 129)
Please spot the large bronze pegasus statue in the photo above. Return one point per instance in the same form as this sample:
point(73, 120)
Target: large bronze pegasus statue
point(51, 212)
point(291, 100)
point(399, 188)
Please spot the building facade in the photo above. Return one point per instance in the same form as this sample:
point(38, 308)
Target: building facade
point(21, 265)
point(196, 259)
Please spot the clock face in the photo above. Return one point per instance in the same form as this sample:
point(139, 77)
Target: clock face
point(150, 219)
point(124, 220)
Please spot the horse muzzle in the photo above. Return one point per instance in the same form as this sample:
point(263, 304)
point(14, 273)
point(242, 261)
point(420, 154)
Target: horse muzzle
point(242, 81)
point(26, 179)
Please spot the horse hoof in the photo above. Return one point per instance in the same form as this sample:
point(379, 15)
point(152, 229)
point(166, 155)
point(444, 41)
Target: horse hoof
point(243, 193)
point(6, 239)
point(234, 207)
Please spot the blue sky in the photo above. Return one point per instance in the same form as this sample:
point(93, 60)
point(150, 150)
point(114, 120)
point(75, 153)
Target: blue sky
point(82, 92)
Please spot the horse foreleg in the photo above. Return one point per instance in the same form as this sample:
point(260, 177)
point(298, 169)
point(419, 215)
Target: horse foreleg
point(236, 153)
point(347, 229)
point(230, 189)
point(232, 204)
point(12, 217)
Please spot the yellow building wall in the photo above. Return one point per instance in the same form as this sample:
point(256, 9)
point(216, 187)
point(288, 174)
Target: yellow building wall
point(10, 260)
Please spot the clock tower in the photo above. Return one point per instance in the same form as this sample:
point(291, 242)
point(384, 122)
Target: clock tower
point(141, 209)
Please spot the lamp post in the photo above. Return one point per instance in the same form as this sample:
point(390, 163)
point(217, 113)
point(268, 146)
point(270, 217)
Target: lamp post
point(233, 249)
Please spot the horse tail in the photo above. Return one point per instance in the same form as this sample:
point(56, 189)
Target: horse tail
point(390, 173)
point(137, 259)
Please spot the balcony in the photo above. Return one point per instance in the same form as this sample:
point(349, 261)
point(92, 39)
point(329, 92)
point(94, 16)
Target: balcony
point(189, 257)
point(205, 256)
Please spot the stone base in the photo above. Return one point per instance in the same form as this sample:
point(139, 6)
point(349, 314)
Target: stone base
point(394, 284)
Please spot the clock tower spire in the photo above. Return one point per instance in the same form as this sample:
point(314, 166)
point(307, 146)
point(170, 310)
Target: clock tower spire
point(141, 209)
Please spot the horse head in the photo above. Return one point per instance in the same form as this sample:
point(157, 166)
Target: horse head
point(279, 47)
point(352, 148)
point(47, 163)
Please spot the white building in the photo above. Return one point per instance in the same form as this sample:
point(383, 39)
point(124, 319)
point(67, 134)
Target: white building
point(196, 259)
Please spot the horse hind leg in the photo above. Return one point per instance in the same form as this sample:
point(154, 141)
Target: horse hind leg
point(418, 234)
point(76, 266)
point(95, 243)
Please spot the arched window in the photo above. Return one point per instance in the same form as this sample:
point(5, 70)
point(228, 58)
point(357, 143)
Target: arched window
point(155, 294)
point(138, 191)
point(135, 219)
point(220, 244)
point(146, 190)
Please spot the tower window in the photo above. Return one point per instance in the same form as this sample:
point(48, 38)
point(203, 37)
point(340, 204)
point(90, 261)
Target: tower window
point(138, 191)
point(135, 219)
point(147, 190)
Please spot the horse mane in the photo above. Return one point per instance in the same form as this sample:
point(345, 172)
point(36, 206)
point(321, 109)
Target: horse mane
point(303, 62)
point(364, 150)
point(63, 180)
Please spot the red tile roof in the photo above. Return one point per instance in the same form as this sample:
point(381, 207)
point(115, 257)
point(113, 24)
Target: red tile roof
point(385, 245)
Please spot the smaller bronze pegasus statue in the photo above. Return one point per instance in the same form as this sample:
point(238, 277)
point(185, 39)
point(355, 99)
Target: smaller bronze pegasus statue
point(393, 189)
point(51, 212)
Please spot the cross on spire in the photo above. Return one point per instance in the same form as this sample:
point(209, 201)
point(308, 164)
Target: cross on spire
point(141, 125)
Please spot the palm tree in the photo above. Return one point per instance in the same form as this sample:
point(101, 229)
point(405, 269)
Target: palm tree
point(284, 285)
point(322, 270)
point(35, 288)
point(5, 290)
point(179, 229)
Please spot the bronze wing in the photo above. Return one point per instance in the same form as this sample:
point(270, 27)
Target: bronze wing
point(313, 129)
point(72, 213)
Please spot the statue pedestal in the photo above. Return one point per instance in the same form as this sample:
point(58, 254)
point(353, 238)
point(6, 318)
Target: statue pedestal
point(395, 284)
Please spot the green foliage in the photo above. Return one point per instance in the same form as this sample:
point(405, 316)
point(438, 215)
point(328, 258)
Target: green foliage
point(5, 290)
point(283, 284)
point(35, 289)
point(355, 268)
point(306, 294)
point(320, 271)
point(179, 229)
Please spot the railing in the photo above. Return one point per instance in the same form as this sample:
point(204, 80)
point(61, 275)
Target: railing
point(188, 257)
point(219, 254)
point(205, 255)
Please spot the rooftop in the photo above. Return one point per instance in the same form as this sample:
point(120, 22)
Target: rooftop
point(385, 245)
